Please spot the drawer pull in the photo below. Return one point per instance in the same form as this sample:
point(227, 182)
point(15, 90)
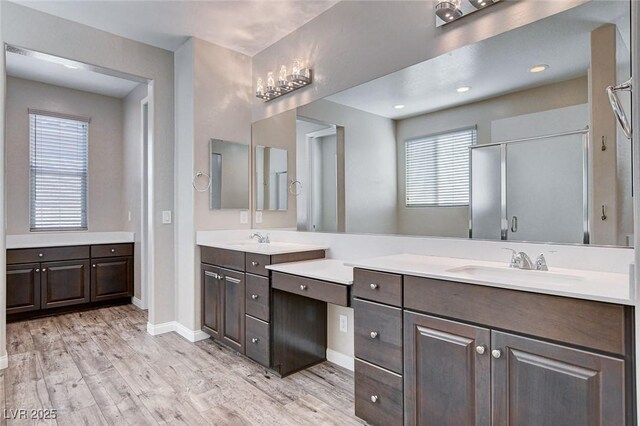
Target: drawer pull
point(496, 353)
point(113, 250)
point(93, 266)
point(481, 349)
point(373, 334)
point(44, 269)
point(374, 398)
point(303, 287)
point(373, 286)
point(40, 255)
point(255, 296)
point(254, 263)
point(37, 270)
point(255, 340)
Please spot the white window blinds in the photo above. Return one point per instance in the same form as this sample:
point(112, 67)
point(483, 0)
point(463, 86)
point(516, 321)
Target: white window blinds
point(58, 172)
point(437, 169)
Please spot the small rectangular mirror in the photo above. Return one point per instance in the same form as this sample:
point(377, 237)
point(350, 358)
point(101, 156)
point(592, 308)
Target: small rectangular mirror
point(272, 180)
point(229, 170)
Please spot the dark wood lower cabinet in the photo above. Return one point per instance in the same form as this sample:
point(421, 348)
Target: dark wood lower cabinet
point(540, 383)
point(211, 300)
point(111, 278)
point(23, 288)
point(233, 317)
point(447, 372)
point(65, 283)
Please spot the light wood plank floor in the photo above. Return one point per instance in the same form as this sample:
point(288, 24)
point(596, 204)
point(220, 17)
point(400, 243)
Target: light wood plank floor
point(101, 367)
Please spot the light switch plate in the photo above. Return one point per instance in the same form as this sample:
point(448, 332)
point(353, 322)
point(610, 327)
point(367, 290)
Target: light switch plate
point(343, 323)
point(166, 217)
point(258, 217)
point(244, 216)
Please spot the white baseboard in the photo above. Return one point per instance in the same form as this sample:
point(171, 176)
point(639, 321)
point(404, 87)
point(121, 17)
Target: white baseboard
point(168, 327)
point(340, 359)
point(4, 361)
point(138, 303)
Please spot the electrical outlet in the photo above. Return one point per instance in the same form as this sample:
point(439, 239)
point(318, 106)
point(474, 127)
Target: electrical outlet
point(258, 217)
point(244, 216)
point(343, 323)
point(166, 217)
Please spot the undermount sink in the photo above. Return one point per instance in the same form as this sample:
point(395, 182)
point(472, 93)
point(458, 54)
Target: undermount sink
point(517, 275)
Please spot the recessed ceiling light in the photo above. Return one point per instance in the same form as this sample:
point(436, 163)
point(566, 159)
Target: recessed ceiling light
point(538, 68)
point(463, 89)
point(399, 106)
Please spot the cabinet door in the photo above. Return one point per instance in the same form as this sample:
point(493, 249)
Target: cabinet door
point(233, 288)
point(111, 278)
point(540, 383)
point(65, 283)
point(23, 288)
point(446, 372)
point(211, 300)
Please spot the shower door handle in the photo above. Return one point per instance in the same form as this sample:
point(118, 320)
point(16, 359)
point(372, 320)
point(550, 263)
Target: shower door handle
point(514, 224)
point(617, 107)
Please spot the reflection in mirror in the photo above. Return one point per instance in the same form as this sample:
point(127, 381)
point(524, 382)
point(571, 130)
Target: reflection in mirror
point(543, 160)
point(229, 171)
point(272, 181)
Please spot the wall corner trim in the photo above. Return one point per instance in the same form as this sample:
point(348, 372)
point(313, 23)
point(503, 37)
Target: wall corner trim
point(138, 303)
point(4, 361)
point(340, 359)
point(167, 327)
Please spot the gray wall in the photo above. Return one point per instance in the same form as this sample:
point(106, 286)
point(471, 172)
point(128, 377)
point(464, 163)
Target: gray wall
point(38, 31)
point(454, 221)
point(370, 166)
point(132, 179)
point(106, 207)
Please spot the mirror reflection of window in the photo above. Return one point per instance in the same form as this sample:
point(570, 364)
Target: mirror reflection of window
point(229, 171)
point(272, 179)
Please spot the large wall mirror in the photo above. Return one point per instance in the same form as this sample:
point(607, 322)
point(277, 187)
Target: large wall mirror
point(229, 171)
point(511, 138)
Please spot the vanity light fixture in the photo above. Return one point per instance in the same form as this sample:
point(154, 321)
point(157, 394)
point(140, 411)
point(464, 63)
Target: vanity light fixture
point(399, 106)
point(538, 68)
point(450, 10)
point(463, 89)
point(286, 83)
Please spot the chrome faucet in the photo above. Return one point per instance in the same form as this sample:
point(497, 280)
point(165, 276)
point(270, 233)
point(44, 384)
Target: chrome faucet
point(261, 238)
point(520, 260)
point(541, 263)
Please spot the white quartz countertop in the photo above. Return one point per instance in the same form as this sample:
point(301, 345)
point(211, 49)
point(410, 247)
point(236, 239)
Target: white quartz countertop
point(251, 246)
point(580, 284)
point(58, 239)
point(332, 270)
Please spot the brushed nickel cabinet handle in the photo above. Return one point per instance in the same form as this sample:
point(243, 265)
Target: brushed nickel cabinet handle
point(93, 266)
point(113, 250)
point(496, 353)
point(373, 286)
point(37, 270)
point(254, 263)
point(44, 270)
point(303, 287)
point(255, 296)
point(373, 334)
point(374, 398)
point(255, 340)
point(40, 254)
point(481, 349)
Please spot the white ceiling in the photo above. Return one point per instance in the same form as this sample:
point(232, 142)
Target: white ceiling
point(51, 72)
point(244, 26)
point(496, 66)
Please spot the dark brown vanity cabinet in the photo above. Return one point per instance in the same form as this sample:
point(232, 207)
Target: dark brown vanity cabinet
point(478, 355)
point(57, 277)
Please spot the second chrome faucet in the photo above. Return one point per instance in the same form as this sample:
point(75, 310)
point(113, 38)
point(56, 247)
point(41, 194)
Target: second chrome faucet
point(521, 260)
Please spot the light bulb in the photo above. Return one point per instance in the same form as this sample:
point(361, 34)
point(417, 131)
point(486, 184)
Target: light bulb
point(271, 84)
point(295, 68)
point(259, 88)
point(282, 78)
point(307, 73)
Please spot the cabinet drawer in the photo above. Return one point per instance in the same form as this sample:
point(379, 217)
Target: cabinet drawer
point(112, 250)
point(47, 254)
point(257, 343)
point(230, 259)
point(314, 289)
point(378, 334)
point(255, 264)
point(378, 286)
point(257, 297)
point(378, 395)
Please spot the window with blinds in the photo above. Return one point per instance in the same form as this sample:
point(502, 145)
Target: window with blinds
point(437, 169)
point(58, 172)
